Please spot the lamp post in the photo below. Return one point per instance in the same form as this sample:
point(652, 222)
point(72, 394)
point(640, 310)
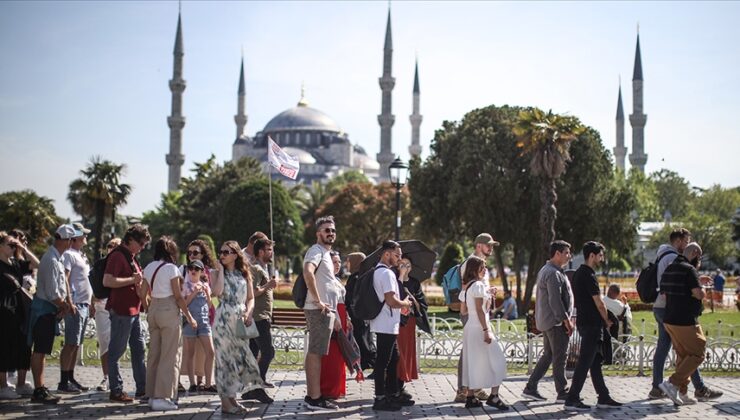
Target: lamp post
point(398, 171)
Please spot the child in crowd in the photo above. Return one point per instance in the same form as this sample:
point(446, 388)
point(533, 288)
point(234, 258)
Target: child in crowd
point(197, 295)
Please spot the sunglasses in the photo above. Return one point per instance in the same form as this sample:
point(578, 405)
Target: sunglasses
point(227, 252)
point(194, 252)
point(330, 230)
point(194, 269)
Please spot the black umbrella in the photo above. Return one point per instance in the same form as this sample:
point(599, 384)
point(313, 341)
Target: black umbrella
point(421, 256)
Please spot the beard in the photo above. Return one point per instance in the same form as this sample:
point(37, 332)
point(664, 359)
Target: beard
point(328, 240)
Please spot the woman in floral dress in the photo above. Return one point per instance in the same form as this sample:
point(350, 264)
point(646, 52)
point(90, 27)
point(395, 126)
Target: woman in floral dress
point(236, 368)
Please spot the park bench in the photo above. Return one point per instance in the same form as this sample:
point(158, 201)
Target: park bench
point(292, 317)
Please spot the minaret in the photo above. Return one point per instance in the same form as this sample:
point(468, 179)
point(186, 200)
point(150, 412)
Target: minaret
point(176, 121)
point(638, 158)
point(415, 117)
point(241, 117)
point(620, 151)
point(386, 118)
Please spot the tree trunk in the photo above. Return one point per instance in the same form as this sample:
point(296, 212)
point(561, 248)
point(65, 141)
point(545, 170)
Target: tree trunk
point(534, 267)
point(518, 272)
point(500, 267)
point(548, 213)
point(98, 228)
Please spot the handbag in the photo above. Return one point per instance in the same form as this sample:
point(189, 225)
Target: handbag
point(246, 332)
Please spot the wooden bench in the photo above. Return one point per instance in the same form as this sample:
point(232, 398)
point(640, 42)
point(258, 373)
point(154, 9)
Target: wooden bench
point(292, 317)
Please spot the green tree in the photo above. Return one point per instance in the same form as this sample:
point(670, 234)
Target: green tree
point(97, 194)
point(546, 139)
point(246, 209)
point(166, 218)
point(364, 216)
point(452, 256)
point(30, 212)
point(350, 177)
point(646, 193)
point(674, 193)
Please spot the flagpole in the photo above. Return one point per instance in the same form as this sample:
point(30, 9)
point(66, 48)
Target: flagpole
point(272, 238)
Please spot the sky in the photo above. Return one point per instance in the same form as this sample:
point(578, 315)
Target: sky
point(80, 79)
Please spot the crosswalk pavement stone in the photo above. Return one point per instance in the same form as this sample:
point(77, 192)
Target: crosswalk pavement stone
point(433, 394)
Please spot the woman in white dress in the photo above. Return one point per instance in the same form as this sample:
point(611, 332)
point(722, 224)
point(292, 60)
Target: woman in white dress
point(484, 363)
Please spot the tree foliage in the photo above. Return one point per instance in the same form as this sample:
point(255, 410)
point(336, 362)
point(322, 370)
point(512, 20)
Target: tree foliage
point(364, 215)
point(674, 193)
point(32, 213)
point(451, 256)
point(246, 210)
point(98, 194)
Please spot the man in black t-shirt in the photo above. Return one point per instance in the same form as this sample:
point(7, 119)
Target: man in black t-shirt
point(680, 284)
point(591, 317)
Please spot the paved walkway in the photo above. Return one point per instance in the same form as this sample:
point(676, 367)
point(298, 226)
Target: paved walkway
point(433, 393)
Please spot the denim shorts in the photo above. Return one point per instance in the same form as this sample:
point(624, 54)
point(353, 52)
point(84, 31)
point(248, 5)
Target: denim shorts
point(75, 324)
point(199, 310)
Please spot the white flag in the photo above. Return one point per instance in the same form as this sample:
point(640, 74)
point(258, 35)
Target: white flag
point(283, 162)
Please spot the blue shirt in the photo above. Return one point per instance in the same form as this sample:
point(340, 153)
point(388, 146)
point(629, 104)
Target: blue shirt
point(510, 302)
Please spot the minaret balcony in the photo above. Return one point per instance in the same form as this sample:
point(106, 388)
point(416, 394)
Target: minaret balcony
point(176, 122)
point(386, 120)
point(177, 85)
point(387, 83)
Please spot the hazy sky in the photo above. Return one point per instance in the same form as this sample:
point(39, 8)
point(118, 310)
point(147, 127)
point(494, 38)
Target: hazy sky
point(79, 79)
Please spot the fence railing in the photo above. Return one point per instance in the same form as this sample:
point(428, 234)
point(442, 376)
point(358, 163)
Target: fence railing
point(442, 349)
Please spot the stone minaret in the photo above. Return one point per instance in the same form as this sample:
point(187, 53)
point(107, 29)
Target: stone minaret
point(620, 152)
point(638, 158)
point(176, 121)
point(415, 117)
point(241, 117)
point(386, 118)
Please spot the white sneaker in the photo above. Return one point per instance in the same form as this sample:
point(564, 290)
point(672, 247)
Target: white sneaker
point(25, 390)
point(671, 391)
point(8, 393)
point(159, 404)
point(103, 386)
point(686, 399)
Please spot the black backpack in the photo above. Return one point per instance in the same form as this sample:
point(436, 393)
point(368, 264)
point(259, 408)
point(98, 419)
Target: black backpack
point(300, 290)
point(647, 281)
point(365, 302)
point(97, 272)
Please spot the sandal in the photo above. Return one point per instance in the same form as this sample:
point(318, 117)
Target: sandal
point(210, 389)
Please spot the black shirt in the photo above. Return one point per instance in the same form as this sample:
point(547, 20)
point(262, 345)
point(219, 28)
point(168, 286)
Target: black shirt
point(677, 281)
point(585, 287)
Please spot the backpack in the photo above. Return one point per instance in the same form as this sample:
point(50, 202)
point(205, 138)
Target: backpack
point(647, 281)
point(300, 290)
point(365, 303)
point(452, 283)
point(97, 272)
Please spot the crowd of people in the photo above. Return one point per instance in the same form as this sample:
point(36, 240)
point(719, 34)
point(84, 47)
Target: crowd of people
point(226, 349)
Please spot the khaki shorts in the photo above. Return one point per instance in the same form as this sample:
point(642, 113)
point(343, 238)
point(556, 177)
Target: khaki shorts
point(319, 331)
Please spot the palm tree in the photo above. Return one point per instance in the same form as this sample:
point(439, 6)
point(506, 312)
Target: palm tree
point(31, 213)
point(546, 138)
point(98, 193)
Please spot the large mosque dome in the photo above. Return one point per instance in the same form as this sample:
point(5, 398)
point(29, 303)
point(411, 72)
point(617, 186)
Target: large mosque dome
point(302, 117)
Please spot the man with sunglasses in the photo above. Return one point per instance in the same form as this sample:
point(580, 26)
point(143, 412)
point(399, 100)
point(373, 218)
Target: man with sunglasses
point(318, 271)
point(123, 275)
point(76, 268)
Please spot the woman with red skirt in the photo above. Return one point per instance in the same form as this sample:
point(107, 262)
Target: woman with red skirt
point(333, 371)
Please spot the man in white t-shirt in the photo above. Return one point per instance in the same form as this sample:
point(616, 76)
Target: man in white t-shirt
point(385, 326)
point(76, 269)
point(318, 271)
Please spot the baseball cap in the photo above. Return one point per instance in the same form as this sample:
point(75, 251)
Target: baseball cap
point(196, 264)
point(81, 229)
point(66, 232)
point(485, 238)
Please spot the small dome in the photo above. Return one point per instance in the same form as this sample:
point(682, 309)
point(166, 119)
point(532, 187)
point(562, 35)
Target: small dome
point(304, 157)
point(302, 117)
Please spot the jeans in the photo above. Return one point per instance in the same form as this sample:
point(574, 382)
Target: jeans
point(556, 350)
point(661, 354)
point(124, 329)
point(386, 365)
point(263, 345)
point(589, 359)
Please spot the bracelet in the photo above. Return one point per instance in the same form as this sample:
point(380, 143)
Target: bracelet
point(485, 330)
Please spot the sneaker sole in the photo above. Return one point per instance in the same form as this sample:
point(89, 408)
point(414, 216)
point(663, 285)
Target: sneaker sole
point(571, 408)
point(675, 400)
point(607, 406)
point(532, 397)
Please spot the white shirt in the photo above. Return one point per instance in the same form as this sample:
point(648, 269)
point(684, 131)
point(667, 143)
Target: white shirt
point(79, 269)
point(162, 286)
point(319, 257)
point(388, 320)
point(616, 307)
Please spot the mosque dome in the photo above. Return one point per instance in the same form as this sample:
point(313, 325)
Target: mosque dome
point(302, 117)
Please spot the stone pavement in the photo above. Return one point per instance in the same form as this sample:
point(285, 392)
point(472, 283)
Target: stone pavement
point(433, 393)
